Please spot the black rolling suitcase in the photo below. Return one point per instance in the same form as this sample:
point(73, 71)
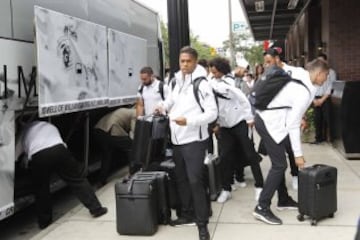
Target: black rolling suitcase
point(174, 199)
point(214, 172)
point(141, 142)
point(159, 136)
point(149, 140)
point(136, 207)
point(317, 192)
point(162, 181)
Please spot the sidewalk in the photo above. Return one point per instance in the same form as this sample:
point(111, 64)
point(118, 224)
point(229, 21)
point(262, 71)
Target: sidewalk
point(233, 220)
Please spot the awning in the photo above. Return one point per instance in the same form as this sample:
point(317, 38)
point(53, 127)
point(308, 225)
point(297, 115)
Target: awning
point(271, 19)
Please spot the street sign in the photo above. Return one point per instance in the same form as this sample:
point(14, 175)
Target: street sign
point(238, 27)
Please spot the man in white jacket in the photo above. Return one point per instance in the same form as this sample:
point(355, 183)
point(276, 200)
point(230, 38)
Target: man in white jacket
point(276, 125)
point(234, 118)
point(189, 121)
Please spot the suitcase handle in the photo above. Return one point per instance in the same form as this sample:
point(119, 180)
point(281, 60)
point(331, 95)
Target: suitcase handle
point(132, 181)
point(151, 116)
point(318, 165)
point(131, 185)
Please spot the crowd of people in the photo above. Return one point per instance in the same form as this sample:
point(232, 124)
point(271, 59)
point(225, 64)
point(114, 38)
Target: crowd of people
point(220, 108)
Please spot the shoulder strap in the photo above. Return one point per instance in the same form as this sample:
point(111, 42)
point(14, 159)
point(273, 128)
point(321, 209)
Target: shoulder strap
point(141, 89)
point(230, 76)
point(161, 90)
point(296, 81)
point(301, 83)
point(196, 83)
point(219, 95)
point(173, 83)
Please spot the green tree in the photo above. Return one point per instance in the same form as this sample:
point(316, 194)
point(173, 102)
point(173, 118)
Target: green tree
point(254, 55)
point(165, 37)
point(204, 50)
point(240, 41)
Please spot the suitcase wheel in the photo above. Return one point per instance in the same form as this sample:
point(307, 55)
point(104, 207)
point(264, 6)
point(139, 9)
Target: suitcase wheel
point(331, 215)
point(313, 222)
point(300, 217)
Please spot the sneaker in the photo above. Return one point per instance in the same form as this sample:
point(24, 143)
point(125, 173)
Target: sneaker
point(295, 182)
point(203, 232)
point(182, 221)
point(257, 193)
point(209, 158)
point(98, 212)
point(168, 153)
point(266, 215)
point(224, 196)
point(44, 221)
point(290, 204)
point(240, 184)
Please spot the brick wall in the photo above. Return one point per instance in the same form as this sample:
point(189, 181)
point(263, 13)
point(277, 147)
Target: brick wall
point(337, 26)
point(344, 38)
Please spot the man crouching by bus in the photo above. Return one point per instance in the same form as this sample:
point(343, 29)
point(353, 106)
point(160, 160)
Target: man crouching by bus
point(47, 153)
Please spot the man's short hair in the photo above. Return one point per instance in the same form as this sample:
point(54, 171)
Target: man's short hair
point(272, 52)
point(323, 56)
point(317, 65)
point(147, 70)
point(189, 50)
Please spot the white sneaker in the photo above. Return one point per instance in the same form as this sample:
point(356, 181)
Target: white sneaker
point(209, 158)
point(233, 187)
point(224, 196)
point(240, 184)
point(257, 193)
point(295, 182)
point(168, 152)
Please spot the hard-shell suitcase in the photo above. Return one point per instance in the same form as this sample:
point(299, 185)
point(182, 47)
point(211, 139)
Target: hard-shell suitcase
point(159, 136)
point(141, 142)
point(215, 184)
point(174, 199)
point(150, 140)
point(317, 192)
point(162, 181)
point(136, 207)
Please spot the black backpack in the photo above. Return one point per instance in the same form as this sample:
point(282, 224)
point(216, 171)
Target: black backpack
point(196, 83)
point(266, 89)
point(161, 90)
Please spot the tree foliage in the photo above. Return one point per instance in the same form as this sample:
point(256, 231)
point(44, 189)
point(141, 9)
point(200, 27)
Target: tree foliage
point(165, 37)
point(253, 53)
point(204, 50)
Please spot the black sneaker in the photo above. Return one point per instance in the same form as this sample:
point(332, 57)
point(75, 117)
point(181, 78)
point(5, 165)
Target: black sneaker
point(182, 221)
point(203, 232)
point(289, 204)
point(266, 215)
point(98, 212)
point(44, 224)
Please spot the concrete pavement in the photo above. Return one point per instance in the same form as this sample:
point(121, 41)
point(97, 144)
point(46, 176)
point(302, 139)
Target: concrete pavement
point(233, 219)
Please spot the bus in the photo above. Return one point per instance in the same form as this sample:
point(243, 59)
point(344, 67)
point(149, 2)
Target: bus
point(26, 26)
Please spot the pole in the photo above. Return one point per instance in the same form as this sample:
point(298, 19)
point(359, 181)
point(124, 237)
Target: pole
point(231, 38)
point(178, 27)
